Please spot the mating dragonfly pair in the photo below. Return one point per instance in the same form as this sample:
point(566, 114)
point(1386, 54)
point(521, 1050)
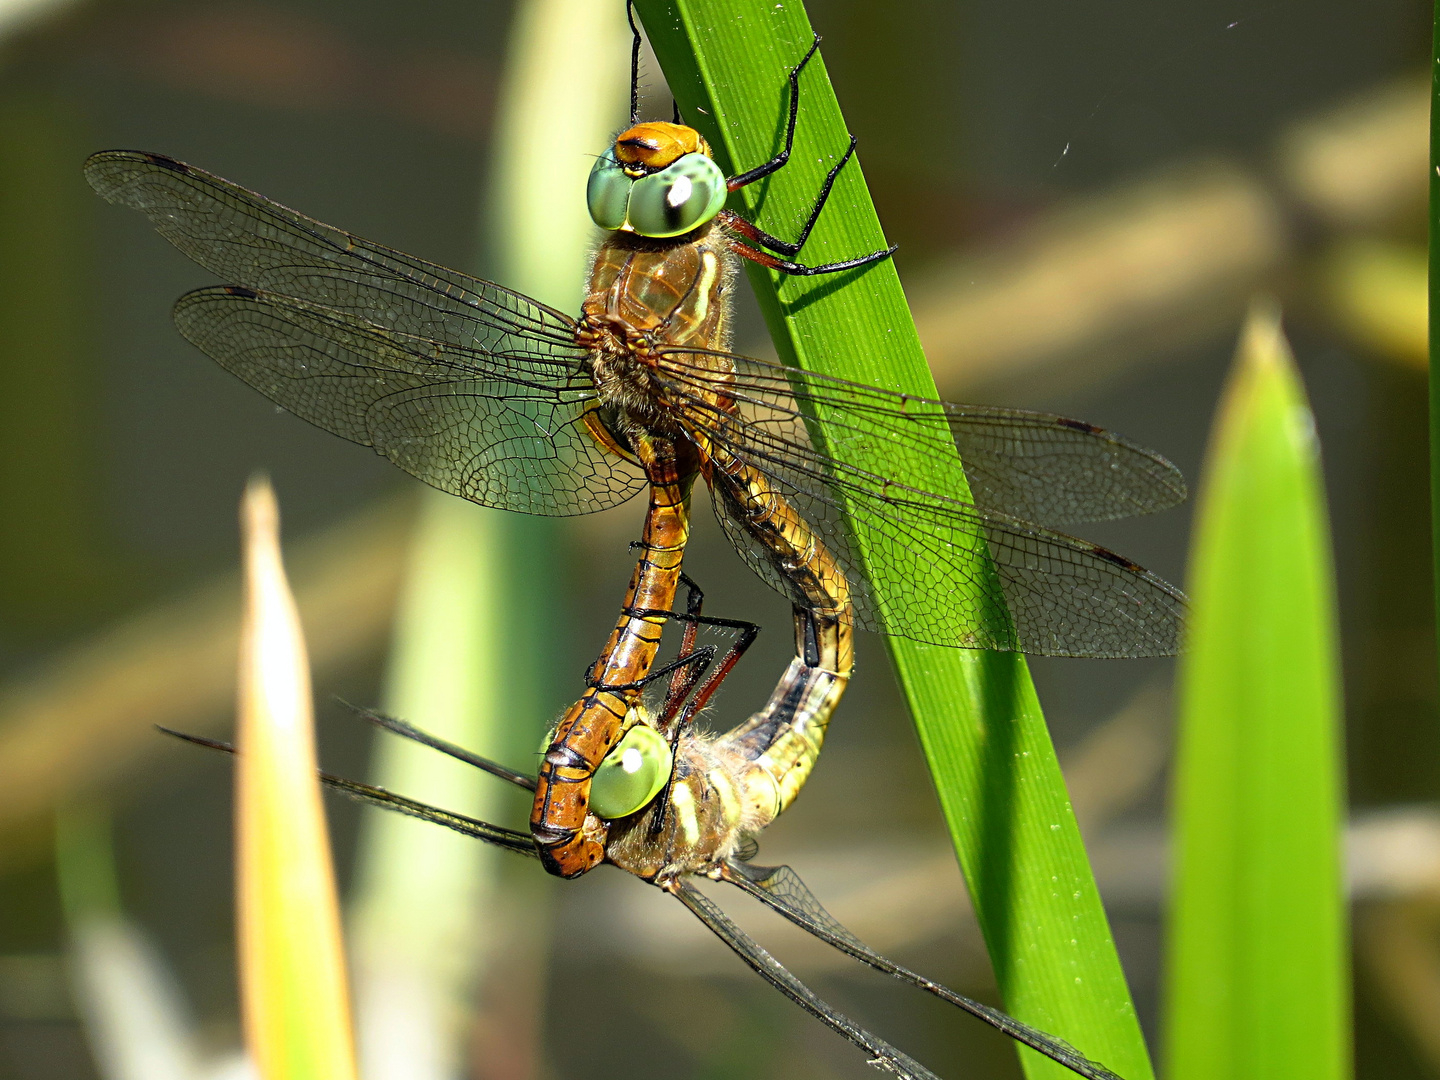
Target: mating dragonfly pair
point(487, 394)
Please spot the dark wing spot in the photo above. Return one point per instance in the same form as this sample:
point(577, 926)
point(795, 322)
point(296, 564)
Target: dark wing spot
point(167, 163)
point(1118, 560)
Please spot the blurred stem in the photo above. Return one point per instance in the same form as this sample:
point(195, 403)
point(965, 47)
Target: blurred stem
point(85, 863)
point(419, 886)
point(135, 1017)
point(476, 643)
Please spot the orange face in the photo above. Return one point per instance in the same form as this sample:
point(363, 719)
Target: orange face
point(649, 147)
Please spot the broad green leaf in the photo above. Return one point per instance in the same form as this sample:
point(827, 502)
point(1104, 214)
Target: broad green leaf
point(977, 714)
point(1258, 979)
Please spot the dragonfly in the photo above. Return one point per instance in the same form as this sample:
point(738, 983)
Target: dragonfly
point(690, 805)
point(485, 393)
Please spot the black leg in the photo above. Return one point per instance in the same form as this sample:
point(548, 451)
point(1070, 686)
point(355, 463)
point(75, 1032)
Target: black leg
point(747, 231)
point(684, 679)
point(753, 232)
point(785, 266)
point(690, 659)
point(634, 63)
point(735, 183)
point(701, 697)
point(699, 658)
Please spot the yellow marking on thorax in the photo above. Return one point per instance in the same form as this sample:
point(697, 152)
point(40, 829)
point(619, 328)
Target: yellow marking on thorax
point(682, 802)
point(709, 271)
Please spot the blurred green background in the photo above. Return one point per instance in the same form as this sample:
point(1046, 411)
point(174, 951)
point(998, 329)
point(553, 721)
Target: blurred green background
point(1085, 199)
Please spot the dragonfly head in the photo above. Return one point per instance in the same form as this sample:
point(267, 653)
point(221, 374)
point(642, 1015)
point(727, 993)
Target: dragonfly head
point(657, 180)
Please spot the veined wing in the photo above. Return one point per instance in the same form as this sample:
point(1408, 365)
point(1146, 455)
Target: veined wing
point(1038, 467)
point(485, 424)
point(780, 888)
point(518, 842)
point(1039, 592)
point(246, 239)
point(882, 1054)
point(469, 386)
point(1052, 470)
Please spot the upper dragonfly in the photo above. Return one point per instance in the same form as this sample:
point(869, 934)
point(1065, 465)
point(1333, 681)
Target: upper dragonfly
point(487, 394)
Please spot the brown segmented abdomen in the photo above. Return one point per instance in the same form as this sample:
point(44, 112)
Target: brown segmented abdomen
point(740, 782)
point(642, 293)
point(571, 841)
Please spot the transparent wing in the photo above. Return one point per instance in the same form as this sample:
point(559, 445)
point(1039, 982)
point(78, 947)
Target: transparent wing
point(780, 888)
point(467, 385)
point(882, 1054)
point(246, 239)
point(1052, 470)
point(509, 839)
point(478, 424)
point(1064, 596)
point(1038, 467)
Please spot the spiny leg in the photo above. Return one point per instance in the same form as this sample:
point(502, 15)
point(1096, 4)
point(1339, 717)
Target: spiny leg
point(794, 269)
point(751, 231)
point(684, 680)
point(735, 183)
point(680, 689)
point(687, 668)
point(733, 222)
point(634, 63)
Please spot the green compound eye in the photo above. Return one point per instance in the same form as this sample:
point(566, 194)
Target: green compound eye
point(676, 199)
point(608, 191)
point(631, 775)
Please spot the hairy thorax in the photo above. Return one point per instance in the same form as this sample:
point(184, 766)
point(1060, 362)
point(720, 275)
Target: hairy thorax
point(646, 295)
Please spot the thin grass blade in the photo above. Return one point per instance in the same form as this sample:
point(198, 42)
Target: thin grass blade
point(441, 922)
point(294, 991)
point(1434, 297)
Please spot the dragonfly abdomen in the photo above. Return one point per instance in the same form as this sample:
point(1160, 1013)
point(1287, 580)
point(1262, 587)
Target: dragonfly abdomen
point(816, 580)
point(782, 742)
point(571, 840)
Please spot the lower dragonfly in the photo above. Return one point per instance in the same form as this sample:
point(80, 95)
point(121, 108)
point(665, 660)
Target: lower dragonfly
point(680, 803)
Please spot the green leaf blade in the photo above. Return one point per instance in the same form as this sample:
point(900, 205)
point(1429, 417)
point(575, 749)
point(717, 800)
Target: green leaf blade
point(1259, 979)
point(977, 714)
